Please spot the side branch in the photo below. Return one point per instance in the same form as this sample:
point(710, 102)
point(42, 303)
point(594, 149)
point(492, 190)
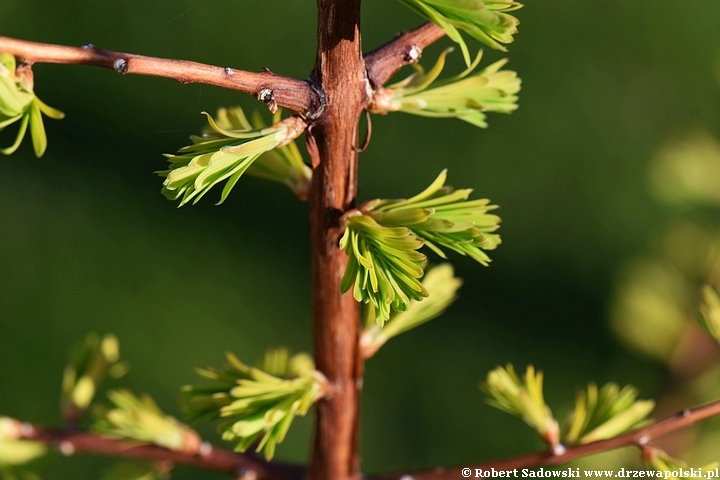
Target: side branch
point(290, 93)
point(208, 458)
point(639, 438)
point(405, 49)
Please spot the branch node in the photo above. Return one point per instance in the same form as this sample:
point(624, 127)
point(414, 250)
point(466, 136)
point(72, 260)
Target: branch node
point(267, 96)
point(246, 474)
point(413, 54)
point(229, 71)
point(26, 429)
point(407, 477)
point(205, 449)
point(66, 448)
point(120, 66)
point(88, 46)
point(24, 71)
point(648, 451)
point(642, 441)
point(558, 450)
point(312, 115)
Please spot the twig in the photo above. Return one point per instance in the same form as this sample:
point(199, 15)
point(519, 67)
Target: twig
point(208, 458)
point(220, 460)
point(405, 49)
point(637, 438)
point(295, 95)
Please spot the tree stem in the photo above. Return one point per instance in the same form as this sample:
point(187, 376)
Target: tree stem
point(332, 140)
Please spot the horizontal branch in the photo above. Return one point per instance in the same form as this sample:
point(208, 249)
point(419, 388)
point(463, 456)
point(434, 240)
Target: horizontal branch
point(247, 466)
point(275, 90)
point(209, 458)
point(638, 438)
point(404, 49)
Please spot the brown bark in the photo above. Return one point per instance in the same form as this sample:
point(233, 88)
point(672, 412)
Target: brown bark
point(640, 438)
point(341, 89)
point(214, 459)
point(267, 87)
point(340, 73)
point(405, 49)
point(207, 458)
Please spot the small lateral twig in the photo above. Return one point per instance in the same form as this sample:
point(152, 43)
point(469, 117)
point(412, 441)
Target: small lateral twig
point(639, 438)
point(208, 458)
point(295, 95)
point(406, 48)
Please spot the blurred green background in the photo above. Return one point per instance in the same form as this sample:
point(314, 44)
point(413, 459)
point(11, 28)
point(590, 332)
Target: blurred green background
point(87, 242)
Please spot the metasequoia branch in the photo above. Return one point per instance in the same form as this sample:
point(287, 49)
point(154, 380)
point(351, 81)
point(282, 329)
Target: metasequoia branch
point(405, 49)
point(275, 90)
point(247, 466)
point(639, 438)
point(209, 458)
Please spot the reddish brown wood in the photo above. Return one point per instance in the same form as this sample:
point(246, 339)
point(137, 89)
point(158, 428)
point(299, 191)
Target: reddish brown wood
point(229, 462)
point(639, 438)
point(341, 91)
point(209, 458)
point(384, 62)
point(295, 95)
point(332, 141)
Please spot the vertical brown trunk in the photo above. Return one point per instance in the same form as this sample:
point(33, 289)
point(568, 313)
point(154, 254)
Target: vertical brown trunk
point(340, 72)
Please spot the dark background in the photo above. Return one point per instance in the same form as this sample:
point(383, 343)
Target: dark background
point(87, 243)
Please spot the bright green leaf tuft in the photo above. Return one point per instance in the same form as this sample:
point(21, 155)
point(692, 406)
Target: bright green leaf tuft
point(283, 164)
point(485, 20)
point(667, 465)
point(91, 361)
point(607, 413)
point(384, 265)
point(466, 96)
point(225, 153)
point(522, 398)
point(710, 312)
point(257, 404)
point(18, 103)
point(443, 217)
point(442, 287)
point(139, 419)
